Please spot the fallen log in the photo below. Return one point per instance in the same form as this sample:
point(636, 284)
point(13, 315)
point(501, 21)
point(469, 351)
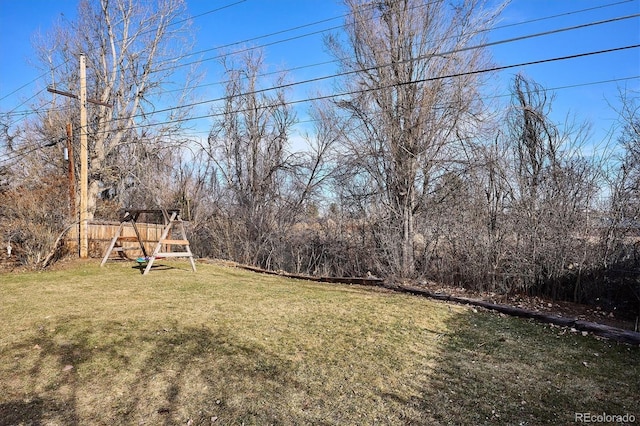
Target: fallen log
point(335, 280)
point(608, 332)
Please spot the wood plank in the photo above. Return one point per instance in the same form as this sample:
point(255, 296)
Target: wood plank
point(175, 242)
point(335, 280)
point(128, 239)
point(154, 211)
point(174, 254)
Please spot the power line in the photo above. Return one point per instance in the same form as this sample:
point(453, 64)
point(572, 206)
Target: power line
point(424, 80)
point(422, 57)
point(208, 12)
point(24, 86)
point(412, 82)
point(589, 9)
point(342, 16)
point(310, 24)
point(341, 26)
point(32, 111)
point(342, 74)
point(573, 12)
point(143, 32)
point(20, 155)
point(22, 103)
point(548, 89)
point(414, 59)
point(304, 35)
point(188, 19)
point(286, 30)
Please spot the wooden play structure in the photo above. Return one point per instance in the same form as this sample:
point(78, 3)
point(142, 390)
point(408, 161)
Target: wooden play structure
point(165, 245)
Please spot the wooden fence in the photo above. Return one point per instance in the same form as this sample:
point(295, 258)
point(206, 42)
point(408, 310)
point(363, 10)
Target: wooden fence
point(100, 235)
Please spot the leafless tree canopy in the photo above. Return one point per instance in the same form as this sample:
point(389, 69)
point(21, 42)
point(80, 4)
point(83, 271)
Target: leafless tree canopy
point(406, 60)
point(131, 50)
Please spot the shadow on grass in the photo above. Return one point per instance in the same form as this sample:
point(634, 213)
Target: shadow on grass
point(498, 370)
point(487, 369)
point(114, 373)
point(61, 356)
point(155, 267)
point(22, 412)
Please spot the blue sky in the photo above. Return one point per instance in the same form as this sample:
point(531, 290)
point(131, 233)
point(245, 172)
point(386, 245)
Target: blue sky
point(21, 20)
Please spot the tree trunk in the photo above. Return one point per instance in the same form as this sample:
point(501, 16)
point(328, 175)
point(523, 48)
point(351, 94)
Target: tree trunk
point(408, 260)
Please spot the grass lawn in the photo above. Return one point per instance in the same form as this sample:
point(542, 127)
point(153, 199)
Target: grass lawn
point(89, 345)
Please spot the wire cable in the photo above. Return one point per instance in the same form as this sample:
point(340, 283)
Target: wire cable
point(223, 55)
point(355, 92)
point(338, 60)
point(548, 89)
point(304, 35)
point(20, 155)
point(144, 32)
point(422, 57)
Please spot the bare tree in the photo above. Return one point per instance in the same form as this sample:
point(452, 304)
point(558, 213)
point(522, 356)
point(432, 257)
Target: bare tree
point(534, 141)
point(630, 142)
point(623, 215)
point(34, 202)
point(248, 145)
point(493, 194)
point(131, 49)
point(554, 186)
point(400, 56)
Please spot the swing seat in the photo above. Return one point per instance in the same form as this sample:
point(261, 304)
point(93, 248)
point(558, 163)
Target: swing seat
point(146, 259)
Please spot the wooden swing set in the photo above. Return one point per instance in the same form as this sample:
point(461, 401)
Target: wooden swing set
point(172, 222)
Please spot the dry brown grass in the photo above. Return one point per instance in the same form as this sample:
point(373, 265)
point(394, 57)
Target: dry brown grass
point(90, 345)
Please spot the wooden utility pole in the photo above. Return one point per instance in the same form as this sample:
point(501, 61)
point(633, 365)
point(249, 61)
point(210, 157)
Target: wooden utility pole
point(84, 155)
point(72, 173)
point(84, 163)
